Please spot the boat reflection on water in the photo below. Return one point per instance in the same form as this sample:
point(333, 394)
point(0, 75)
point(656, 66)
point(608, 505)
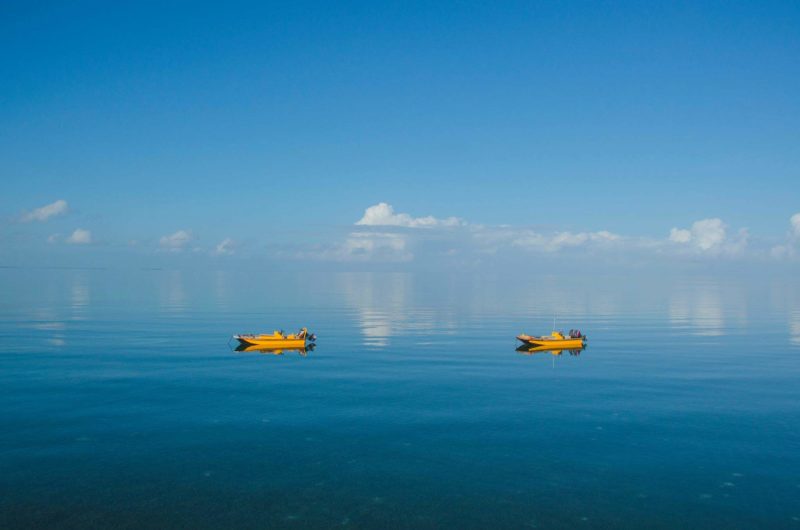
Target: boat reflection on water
point(273, 351)
point(532, 350)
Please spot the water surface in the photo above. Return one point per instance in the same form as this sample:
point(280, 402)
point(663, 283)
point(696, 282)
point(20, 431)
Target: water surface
point(123, 405)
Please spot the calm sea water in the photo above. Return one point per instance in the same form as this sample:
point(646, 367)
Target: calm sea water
point(122, 404)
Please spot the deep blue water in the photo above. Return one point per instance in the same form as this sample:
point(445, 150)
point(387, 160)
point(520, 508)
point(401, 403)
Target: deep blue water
point(122, 404)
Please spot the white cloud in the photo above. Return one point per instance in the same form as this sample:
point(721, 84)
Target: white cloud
point(552, 243)
point(794, 222)
point(53, 238)
point(382, 214)
point(46, 212)
point(604, 235)
point(677, 235)
point(792, 245)
point(177, 241)
point(707, 235)
point(370, 245)
point(80, 237)
point(226, 247)
point(363, 247)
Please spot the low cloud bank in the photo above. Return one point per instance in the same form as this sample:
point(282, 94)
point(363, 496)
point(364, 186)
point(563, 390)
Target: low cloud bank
point(705, 237)
point(383, 235)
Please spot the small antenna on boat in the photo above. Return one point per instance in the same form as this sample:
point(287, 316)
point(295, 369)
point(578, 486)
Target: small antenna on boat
point(554, 320)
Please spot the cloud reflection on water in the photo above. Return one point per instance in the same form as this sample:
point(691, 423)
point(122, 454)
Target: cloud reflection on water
point(172, 293)
point(376, 297)
point(79, 295)
point(222, 290)
point(384, 307)
point(794, 327)
point(699, 308)
point(707, 308)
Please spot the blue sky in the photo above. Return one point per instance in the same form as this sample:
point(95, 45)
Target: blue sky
point(273, 124)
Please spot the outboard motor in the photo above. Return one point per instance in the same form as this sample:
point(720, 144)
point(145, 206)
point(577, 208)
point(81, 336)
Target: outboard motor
point(312, 337)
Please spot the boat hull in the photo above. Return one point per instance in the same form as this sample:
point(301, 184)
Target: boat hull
point(531, 349)
point(274, 351)
point(556, 344)
point(553, 342)
point(269, 342)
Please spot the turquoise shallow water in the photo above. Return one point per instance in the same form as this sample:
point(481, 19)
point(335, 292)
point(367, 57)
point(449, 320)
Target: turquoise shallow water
point(122, 404)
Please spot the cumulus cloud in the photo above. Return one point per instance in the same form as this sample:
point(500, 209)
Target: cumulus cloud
point(382, 214)
point(226, 247)
point(46, 212)
point(80, 237)
point(792, 245)
point(794, 223)
point(177, 241)
point(680, 235)
point(708, 233)
point(709, 236)
point(705, 234)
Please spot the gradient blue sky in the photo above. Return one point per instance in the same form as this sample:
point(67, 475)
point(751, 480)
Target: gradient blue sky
point(273, 123)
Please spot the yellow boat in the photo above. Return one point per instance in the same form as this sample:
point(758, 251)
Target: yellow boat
point(554, 341)
point(278, 339)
